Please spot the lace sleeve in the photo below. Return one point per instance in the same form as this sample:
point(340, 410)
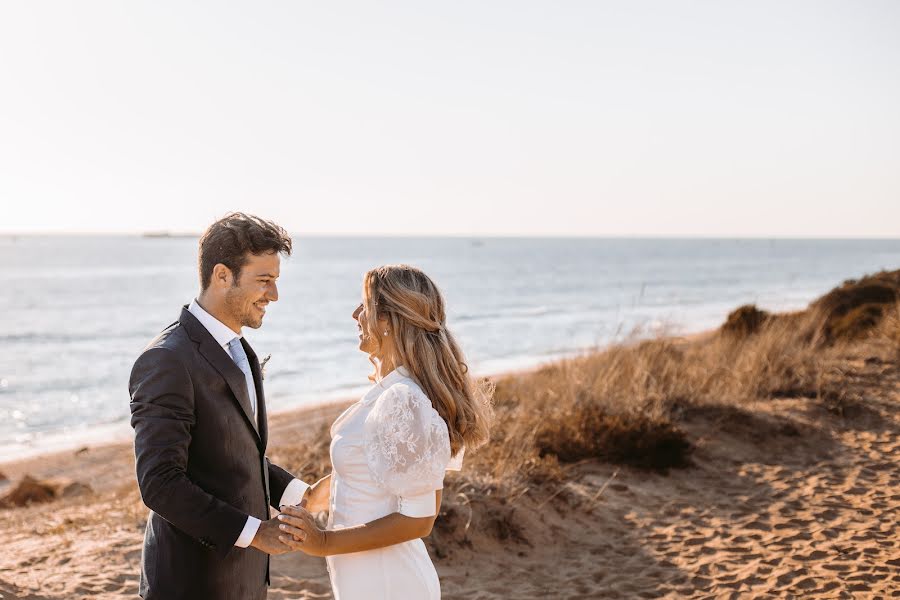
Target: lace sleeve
point(407, 448)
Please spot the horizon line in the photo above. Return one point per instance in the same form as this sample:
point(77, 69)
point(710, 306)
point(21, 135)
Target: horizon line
point(164, 234)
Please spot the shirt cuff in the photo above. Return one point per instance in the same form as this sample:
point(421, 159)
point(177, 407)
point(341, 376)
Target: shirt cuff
point(423, 505)
point(293, 493)
point(249, 532)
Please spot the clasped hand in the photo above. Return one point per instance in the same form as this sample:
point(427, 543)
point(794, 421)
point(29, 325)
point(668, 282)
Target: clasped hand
point(294, 529)
point(300, 531)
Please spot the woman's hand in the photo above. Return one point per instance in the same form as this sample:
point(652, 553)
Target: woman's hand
point(316, 500)
point(300, 532)
point(314, 541)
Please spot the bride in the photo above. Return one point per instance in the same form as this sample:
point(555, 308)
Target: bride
point(389, 451)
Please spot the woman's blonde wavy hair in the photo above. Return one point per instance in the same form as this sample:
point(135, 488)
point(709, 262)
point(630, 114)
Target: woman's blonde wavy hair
point(414, 306)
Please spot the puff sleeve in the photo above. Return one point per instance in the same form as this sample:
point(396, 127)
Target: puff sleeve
point(407, 448)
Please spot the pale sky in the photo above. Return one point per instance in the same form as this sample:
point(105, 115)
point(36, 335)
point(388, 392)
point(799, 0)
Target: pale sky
point(668, 118)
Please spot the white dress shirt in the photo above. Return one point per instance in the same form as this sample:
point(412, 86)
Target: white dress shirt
point(296, 489)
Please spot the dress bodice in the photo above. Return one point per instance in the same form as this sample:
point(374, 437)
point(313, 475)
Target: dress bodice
point(389, 453)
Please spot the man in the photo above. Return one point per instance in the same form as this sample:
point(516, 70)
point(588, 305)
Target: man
point(199, 416)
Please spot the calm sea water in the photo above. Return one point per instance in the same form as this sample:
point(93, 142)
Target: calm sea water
point(76, 311)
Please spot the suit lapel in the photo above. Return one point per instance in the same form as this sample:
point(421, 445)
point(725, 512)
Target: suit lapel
point(223, 363)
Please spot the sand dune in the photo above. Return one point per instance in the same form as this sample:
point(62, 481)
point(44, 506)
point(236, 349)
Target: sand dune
point(785, 499)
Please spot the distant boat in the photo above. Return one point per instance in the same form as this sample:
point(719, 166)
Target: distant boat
point(167, 234)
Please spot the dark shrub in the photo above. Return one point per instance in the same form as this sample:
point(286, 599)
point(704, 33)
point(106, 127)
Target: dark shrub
point(745, 321)
point(850, 311)
point(630, 439)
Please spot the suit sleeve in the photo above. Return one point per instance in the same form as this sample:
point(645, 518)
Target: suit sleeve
point(162, 415)
point(279, 479)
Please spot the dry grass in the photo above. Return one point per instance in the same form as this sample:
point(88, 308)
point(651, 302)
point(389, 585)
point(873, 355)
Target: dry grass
point(310, 462)
point(622, 405)
point(854, 310)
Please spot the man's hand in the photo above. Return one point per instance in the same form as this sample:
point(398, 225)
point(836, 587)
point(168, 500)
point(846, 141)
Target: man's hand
point(266, 538)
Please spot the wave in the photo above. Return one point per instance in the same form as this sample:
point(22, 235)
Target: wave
point(68, 338)
point(514, 312)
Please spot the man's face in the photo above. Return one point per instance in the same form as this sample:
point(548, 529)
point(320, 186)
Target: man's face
point(246, 300)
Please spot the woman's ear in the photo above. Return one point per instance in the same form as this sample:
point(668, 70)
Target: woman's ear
point(384, 326)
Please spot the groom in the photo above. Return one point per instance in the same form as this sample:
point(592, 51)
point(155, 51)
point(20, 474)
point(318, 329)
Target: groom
point(199, 416)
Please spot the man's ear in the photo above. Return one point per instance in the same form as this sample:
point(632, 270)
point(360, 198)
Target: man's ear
point(221, 276)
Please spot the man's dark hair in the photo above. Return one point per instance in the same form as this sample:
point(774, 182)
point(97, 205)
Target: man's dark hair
point(230, 239)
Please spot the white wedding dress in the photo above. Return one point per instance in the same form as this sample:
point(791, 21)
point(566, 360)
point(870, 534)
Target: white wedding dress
point(389, 452)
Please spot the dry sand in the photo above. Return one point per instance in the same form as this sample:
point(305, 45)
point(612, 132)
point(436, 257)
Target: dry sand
point(785, 500)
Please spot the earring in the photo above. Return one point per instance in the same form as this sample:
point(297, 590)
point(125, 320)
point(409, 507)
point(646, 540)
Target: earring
point(385, 333)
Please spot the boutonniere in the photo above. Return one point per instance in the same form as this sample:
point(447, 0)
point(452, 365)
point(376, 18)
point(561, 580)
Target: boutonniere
point(262, 366)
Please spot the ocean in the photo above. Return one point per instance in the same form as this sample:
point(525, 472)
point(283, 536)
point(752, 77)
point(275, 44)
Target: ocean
point(77, 310)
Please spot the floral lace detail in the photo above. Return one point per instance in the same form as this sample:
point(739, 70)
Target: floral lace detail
point(407, 444)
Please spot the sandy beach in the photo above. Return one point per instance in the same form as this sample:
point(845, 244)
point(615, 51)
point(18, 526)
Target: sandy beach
point(791, 492)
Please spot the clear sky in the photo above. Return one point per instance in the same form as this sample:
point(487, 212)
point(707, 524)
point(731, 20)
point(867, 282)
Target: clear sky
point(671, 118)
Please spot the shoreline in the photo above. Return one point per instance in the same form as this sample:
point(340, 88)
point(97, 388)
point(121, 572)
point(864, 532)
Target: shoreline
point(117, 433)
point(280, 421)
point(30, 464)
point(109, 462)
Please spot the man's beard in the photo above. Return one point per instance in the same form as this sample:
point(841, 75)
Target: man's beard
point(235, 305)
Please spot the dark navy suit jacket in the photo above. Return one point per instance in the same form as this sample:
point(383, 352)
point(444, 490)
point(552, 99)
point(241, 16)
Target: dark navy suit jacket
point(201, 467)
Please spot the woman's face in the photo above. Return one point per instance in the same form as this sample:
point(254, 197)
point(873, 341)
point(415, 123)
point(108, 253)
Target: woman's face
point(368, 331)
point(366, 343)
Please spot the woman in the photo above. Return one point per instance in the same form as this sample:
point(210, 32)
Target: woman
point(389, 451)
